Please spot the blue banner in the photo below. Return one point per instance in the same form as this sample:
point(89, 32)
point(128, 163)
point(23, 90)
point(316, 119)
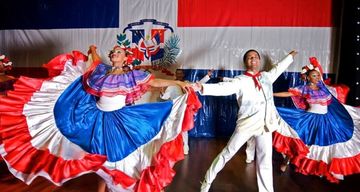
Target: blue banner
point(65, 14)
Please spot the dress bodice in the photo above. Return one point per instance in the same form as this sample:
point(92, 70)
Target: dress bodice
point(131, 85)
point(312, 100)
point(106, 103)
point(317, 108)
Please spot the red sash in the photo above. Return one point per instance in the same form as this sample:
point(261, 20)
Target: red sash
point(254, 77)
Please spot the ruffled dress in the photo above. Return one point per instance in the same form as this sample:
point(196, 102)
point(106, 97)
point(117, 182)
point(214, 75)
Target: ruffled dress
point(77, 122)
point(321, 136)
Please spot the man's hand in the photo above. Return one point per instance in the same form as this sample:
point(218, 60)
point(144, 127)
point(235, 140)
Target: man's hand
point(293, 53)
point(197, 86)
point(210, 72)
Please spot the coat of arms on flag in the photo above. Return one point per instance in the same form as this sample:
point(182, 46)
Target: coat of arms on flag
point(153, 42)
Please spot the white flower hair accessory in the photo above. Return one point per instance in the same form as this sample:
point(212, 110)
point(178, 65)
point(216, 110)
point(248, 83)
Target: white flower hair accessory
point(314, 65)
point(5, 62)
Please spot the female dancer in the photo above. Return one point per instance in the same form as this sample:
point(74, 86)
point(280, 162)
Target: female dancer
point(76, 122)
point(321, 136)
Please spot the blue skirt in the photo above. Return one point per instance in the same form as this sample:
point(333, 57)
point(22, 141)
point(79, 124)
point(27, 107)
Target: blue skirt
point(114, 134)
point(335, 126)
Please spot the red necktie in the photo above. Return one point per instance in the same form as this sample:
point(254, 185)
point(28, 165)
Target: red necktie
point(257, 84)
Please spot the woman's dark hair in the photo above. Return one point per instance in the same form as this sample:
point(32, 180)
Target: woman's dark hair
point(250, 50)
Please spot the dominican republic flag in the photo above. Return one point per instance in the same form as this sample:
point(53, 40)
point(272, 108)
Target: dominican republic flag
point(213, 34)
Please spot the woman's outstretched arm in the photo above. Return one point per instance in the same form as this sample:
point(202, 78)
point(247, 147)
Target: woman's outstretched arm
point(283, 94)
point(166, 82)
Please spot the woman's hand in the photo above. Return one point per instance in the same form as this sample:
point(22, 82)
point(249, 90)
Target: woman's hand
point(185, 86)
point(92, 49)
point(94, 55)
point(162, 90)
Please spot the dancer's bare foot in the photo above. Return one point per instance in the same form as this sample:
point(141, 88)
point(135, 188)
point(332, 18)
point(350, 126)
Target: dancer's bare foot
point(283, 167)
point(284, 164)
point(101, 186)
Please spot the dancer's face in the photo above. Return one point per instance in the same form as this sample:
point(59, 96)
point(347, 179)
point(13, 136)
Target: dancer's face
point(179, 74)
point(314, 77)
point(252, 61)
point(118, 57)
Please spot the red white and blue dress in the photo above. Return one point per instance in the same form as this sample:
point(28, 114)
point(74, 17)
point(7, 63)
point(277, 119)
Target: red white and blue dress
point(321, 136)
point(77, 121)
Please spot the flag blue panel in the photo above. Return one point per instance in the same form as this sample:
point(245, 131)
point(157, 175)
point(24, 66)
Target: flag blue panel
point(64, 14)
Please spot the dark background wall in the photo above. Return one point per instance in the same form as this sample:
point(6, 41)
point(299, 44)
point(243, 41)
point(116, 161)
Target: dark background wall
point(349, 68)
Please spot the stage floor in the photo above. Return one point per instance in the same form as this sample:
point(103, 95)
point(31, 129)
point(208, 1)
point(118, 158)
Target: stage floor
point(236, 175)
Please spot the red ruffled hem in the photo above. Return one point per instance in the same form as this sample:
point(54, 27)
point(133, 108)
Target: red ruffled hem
point(342, 92)
point(296, 150)
point(160, 174)
point(56, 65)
point(21, 156)
point(289, 146)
